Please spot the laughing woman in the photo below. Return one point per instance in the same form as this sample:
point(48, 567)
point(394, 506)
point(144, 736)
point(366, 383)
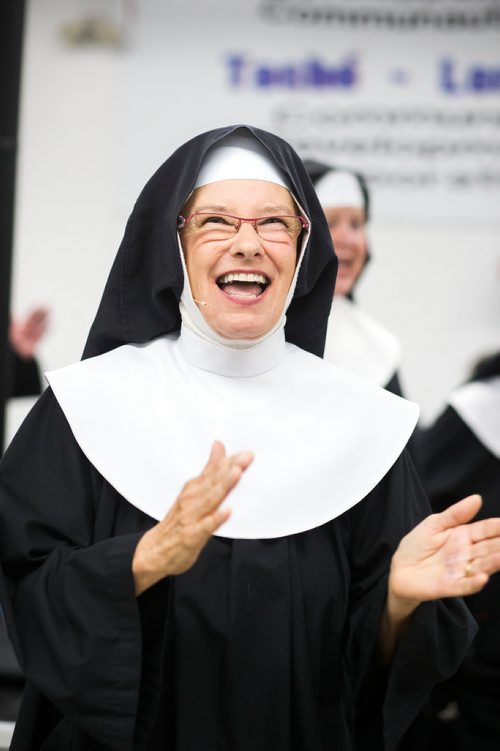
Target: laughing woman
point(146, 612)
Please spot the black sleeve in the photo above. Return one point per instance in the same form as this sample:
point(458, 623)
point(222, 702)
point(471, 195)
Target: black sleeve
point(438, 632)
point(23, 375)
point(67, 585)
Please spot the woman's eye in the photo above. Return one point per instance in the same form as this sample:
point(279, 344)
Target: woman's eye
point(273, 220)
point(214, 220)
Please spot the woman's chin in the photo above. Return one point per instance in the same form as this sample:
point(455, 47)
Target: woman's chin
point(242, 328)
point(237, 333)
point(344, 285)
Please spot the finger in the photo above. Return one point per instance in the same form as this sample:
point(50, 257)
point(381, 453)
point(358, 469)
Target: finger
point(37, 323)
point(40, 314)
point(217, 453)
point(204, 494)
point(219, 490)
point(488, 564)
point(228, 475)
point(218, 469)
point(216, 466)
point(243, 459)
point(485, 529)
point(485, 548)
point(211, 523)
point(457, 514)
point(491, 564)
point(470, 585)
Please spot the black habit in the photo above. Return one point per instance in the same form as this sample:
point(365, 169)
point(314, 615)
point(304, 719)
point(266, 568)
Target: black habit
point(263, 644)
point(458, 464)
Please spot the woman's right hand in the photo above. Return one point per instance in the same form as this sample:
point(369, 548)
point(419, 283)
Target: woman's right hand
point(173, 545)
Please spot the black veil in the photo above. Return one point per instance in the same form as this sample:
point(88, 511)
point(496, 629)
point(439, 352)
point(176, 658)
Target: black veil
point(141, 297)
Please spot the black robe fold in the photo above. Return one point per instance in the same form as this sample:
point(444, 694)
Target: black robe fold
point(263, 644)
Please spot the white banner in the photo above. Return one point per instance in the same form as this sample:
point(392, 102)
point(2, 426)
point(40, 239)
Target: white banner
point(408, 93)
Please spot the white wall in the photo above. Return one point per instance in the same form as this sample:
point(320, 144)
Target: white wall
point(96, 122)
point(439, 290)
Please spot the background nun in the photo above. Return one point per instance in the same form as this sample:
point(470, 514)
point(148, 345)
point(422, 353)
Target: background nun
point(355, 341)
point(136, 627)
point(461, 451)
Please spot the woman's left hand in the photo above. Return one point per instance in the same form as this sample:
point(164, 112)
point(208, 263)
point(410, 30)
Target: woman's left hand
point(445, 556)
point(25, 333)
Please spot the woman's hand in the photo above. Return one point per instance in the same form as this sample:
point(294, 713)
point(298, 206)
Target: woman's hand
point(25, 334)
point(445, 556)
point(173, 545)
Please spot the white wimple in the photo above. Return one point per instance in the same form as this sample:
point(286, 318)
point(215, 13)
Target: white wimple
point(358, 343)
point(478, 404)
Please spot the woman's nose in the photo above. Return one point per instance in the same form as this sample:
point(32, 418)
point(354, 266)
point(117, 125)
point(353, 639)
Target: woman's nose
point(246, 242)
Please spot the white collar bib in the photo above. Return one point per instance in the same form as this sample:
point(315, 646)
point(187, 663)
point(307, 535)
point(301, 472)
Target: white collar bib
point(359, 344)
point(478, 404)
point(146, 416)
point(235, 363)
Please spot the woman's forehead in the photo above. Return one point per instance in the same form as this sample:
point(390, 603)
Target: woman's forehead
point(226, 195)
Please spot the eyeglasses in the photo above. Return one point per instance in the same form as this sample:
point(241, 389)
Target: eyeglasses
point(226, 226)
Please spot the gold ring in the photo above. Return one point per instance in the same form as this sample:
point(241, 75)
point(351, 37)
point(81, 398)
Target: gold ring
point(468, 569)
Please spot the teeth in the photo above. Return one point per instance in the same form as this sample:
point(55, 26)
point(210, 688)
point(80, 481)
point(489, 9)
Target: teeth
point(227, 278)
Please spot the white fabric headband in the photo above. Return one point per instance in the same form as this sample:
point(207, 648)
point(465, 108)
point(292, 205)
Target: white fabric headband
point(340, 189)
point(239, 156)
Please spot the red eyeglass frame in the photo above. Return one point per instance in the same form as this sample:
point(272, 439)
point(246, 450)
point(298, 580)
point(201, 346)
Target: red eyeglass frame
point(240, 219)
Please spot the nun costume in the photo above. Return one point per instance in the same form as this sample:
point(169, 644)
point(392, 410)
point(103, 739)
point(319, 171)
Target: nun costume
point(355, 340)
point(462, 455)
point(268, 638)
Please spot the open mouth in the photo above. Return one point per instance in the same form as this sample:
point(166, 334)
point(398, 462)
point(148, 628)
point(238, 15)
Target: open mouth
point(344, 265)
point(242, 284)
